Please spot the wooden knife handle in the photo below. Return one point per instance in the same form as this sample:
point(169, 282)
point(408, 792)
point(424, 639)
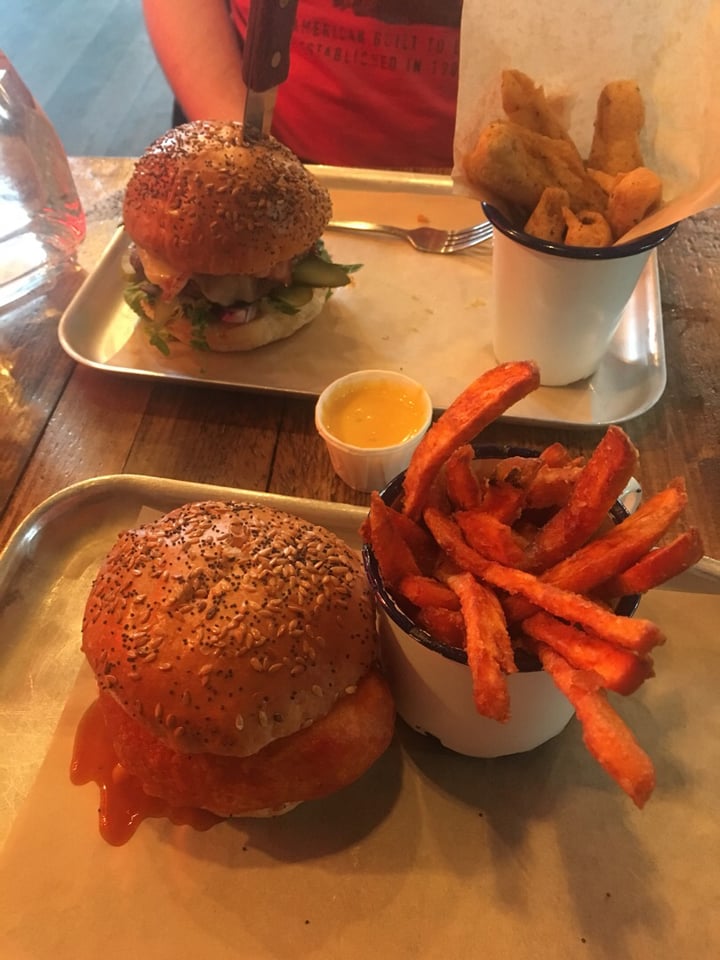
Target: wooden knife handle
point(266, 56)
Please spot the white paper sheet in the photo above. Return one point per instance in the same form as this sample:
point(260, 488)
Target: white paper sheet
point(574, 49)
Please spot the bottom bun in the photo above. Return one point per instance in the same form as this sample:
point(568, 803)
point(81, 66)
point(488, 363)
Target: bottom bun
point(272, 812)
point(330, 754)
point(270, 326)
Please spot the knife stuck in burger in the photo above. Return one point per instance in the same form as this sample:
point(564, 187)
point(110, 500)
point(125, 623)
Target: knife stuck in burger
point(226, 240)
point(226, 222)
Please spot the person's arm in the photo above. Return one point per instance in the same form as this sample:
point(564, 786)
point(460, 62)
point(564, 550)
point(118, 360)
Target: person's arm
point(196, 45)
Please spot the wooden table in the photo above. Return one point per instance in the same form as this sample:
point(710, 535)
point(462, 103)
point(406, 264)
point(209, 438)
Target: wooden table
point(61, 422)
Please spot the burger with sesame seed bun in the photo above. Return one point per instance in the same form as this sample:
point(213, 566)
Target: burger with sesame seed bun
point(235, 654)
point(226, 240)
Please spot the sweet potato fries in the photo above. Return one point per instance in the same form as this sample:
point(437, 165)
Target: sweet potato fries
point(517, 561)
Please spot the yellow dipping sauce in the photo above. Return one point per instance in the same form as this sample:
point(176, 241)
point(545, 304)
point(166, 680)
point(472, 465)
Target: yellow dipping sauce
point(380, 413)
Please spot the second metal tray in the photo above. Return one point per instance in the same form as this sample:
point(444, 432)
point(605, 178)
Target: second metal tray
point(427, 316)
point(543, 845)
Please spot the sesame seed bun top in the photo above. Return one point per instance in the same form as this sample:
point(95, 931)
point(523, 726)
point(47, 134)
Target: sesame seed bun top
point(204, 201)
point(223, 626)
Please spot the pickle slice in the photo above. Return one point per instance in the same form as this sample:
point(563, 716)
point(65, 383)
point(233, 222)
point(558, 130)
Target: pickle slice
point(295, 296)
point(316, 272)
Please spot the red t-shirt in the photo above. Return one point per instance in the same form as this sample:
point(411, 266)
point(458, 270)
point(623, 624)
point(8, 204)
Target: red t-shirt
point(364, 91)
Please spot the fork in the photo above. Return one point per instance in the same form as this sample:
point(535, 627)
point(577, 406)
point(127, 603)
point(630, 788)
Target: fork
point(425, 239)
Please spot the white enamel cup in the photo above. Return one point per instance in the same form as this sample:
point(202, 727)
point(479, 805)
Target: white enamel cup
point(560, 305)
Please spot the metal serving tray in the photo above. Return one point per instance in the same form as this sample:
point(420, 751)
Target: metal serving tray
point(429, 855)
point(427, 316)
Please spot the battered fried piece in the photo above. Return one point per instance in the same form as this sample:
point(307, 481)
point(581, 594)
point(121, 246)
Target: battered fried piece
point(633, 196)
point(331, 753)
point(507, 499)
point(547, 221)
point(516, 164)
point(586, 229)
point(519, 471)
point(605, 180)
point(504, 501)
point(619, 118)
point(525, 103)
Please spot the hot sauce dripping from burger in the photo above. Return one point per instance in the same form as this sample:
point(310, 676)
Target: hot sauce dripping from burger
point(235, 652)
point(123, 802)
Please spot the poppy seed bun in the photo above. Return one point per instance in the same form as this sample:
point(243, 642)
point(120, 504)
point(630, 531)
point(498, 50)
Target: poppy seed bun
point(204, 201)
point(223, 626)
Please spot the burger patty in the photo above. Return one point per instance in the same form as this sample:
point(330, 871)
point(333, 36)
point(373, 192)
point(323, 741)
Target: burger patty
point(162, 298)
point(223, 290)
point(331, 753)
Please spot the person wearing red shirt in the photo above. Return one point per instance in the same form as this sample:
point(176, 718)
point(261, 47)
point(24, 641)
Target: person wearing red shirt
point(372, 83)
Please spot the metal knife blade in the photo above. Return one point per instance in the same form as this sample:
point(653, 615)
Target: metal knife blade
point(266, 61)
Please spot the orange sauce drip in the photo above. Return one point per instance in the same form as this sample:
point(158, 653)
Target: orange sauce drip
point(123, 802)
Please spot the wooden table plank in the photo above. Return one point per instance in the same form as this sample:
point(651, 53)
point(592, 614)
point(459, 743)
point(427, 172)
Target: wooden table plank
point(302, 467)
point(89, 434)
point(208, 436)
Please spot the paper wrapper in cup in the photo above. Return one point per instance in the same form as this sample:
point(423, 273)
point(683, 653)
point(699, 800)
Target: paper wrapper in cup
point(670, 50)
point(560, 305)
